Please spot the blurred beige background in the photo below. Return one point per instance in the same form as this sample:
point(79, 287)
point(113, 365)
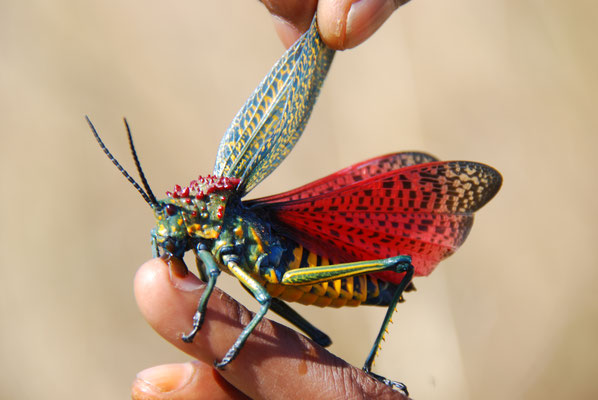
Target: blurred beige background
point(514, 314)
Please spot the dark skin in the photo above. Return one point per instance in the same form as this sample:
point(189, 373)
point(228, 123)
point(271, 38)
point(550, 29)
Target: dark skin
point(276, 362)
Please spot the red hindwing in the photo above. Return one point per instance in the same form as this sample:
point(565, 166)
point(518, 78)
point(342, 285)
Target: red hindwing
point(351, 175)
point(381, 208)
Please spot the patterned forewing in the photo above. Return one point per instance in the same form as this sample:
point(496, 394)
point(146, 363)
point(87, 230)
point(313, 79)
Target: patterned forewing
point(267, 127)
point(350, 175)
point(425, 211)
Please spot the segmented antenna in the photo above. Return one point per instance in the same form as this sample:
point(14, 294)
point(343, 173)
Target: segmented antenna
point(144, 181)
point(148, 200)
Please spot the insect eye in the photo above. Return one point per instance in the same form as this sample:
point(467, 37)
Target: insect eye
point(170, 209)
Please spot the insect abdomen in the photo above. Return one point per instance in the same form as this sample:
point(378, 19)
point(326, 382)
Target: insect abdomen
point(351, 291)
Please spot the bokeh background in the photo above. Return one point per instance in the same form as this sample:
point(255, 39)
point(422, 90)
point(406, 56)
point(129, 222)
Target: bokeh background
point(514, 314)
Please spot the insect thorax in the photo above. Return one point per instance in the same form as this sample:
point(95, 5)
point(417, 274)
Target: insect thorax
point(192, 213)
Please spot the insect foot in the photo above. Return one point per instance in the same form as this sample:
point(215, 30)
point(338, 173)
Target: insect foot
point(398, 386)
point(197, 322)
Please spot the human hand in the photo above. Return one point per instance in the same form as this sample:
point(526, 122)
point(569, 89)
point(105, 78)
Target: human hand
point(276, 361)
point(343, 24)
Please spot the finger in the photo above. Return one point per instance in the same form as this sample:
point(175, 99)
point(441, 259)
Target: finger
point(347, 23)
point(276, 362)
point(291, 18)
point(188, 381)
point(343, 24)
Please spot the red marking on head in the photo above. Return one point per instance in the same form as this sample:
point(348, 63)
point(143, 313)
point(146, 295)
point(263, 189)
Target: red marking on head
point(203, 186)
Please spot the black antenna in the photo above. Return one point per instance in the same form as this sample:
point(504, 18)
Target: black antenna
point(120, 168)
point(146, 185)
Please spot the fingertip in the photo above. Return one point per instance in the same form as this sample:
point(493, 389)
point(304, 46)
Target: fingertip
point(286, 31)
point(148, 280)
point(169, 378)
point(190, 381)
point(147, 276)
point(332, 18)
point(291, 18)
point(160, 274)
point(346, 24)
point(166, 293)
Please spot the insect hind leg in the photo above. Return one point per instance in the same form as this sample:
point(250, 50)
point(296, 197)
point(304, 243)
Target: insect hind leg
point(407, 268)
point(285, 311)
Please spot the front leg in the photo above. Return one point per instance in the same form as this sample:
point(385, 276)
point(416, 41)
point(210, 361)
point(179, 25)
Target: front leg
point(212, 271)
point(155, 247)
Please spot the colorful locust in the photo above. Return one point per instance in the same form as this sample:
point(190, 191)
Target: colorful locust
point(355, 237)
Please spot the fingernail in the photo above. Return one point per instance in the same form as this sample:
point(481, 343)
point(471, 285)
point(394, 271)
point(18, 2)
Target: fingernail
point(365, 17)
point(180, 276)
point(165, 378)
